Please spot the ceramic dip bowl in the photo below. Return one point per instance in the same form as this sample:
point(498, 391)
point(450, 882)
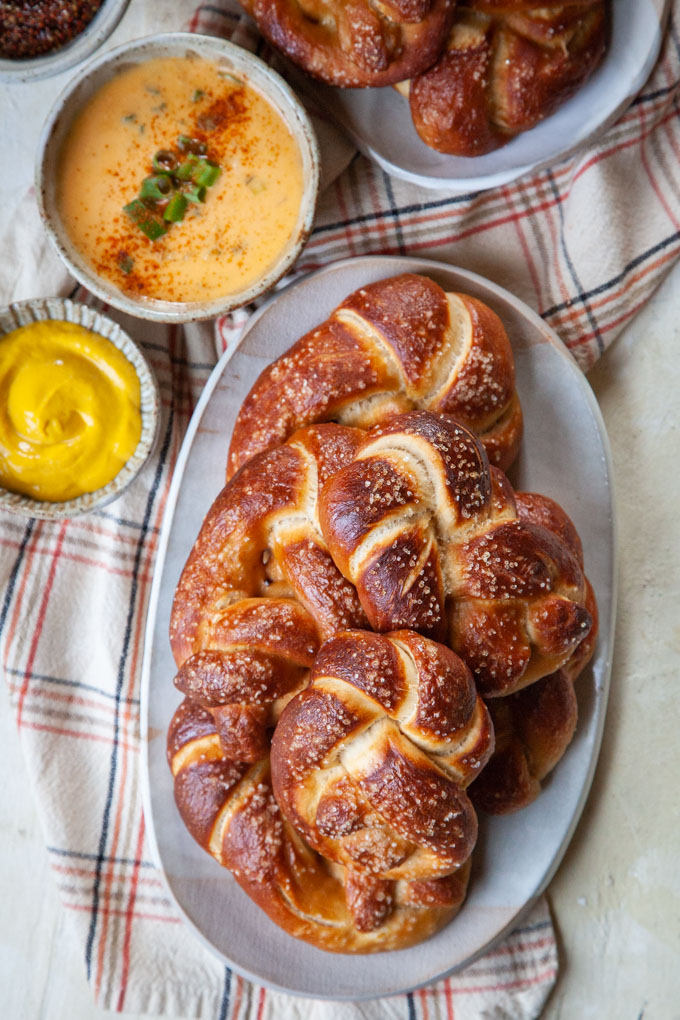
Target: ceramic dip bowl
point(24, 313)
point(198, 267)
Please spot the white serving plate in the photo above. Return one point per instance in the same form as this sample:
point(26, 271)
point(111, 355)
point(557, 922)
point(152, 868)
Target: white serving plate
point(565, 454)
point(379, 121)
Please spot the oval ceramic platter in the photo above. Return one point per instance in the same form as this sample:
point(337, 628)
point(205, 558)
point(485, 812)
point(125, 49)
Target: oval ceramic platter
point(379, 122)
point(564, 454)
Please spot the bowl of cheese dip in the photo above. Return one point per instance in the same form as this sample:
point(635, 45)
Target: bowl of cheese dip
point(79, 409)
point(178, 177)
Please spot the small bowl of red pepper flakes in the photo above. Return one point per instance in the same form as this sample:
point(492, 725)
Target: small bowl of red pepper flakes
point(40, 38)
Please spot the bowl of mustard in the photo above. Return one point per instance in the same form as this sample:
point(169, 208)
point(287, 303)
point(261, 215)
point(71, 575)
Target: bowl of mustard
point(177, 177)
point(79, 409)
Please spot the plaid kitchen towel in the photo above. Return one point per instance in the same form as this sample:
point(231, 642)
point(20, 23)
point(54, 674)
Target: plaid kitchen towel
point(585, 243)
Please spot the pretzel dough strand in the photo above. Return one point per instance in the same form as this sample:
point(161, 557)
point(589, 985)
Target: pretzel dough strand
point(438, 547)
point(355, 43)
point(506, 66)
point(396, 345)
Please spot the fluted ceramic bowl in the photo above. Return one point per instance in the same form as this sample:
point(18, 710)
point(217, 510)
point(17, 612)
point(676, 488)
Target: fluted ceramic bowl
point(22, 313)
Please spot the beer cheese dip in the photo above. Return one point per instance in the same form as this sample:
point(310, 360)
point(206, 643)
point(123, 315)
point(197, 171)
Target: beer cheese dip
point(219, 236)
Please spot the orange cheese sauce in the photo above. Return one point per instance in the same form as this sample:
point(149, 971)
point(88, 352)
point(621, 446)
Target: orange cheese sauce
point(249, 215)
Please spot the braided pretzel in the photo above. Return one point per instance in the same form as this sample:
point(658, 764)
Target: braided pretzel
point(394, 345)
point(229, 808)
point(371, 761)
point(261, 538)
point(507, 65)
point(431, 538)
point(355, 42)
point(533, 729)
point(244, 633)
point(535, 726)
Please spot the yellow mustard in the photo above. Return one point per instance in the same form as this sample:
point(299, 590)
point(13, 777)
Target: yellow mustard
point(69, 410)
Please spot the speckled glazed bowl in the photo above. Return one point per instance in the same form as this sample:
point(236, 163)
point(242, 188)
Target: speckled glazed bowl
point(74, 52)
point(24, 312)
point(229, 58)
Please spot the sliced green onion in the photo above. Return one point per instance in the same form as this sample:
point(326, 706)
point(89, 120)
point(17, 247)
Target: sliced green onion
point(164, 161)
point(136, 210)
point(153, 228)
point(176, 208)
point(125, 262)
point(186, 170)
point(155, 188)
point(148, 224)
point(206, 175)
point(195, 194)
point(193, 145)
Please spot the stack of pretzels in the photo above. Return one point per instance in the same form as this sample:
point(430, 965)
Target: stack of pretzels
point(476, 72)
point(374, 633)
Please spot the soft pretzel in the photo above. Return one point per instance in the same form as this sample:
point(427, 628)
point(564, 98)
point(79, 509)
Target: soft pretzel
point(533, 729)
point(355, 42)
point(224, 794)
point(507, 65)
point(261, 538)
point(535, 726)
point(371, 761)
point(256, 597)
point(430, 536)
point(394, 345)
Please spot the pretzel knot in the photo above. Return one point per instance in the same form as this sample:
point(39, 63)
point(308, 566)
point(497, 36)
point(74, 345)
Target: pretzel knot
point(261, 539)
point(218, 750)
point(430, 536)
point(507, 65)
point(371, 761)
point(355, 42)
point(533, 729)
point(257, 596)
point(392, 346)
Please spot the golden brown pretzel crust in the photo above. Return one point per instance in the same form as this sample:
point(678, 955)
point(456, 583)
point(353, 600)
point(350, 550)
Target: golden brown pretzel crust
point(357, 837)
point(356, 42)
point(535, 726)
point(432, 540)
point(229, 808)
point(397, 344)
point(507, 65)
point(370, 762)
point(256, 597)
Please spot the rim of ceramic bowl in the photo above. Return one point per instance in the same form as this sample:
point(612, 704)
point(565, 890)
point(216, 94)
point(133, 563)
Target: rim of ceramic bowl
point(22, 313)
point(100, 70)
point(78, 49)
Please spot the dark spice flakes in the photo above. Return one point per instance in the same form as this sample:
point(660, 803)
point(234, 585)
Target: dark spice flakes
point(29, 28)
